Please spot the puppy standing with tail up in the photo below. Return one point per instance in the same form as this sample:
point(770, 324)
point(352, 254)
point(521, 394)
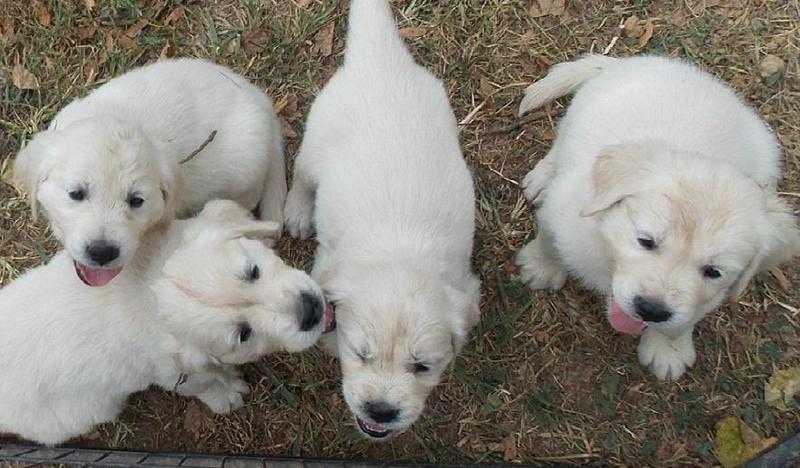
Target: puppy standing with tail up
point(381, 173)
point(660, 193)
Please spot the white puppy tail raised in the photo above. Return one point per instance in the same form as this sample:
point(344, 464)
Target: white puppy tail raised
point(372, 37)
point(563, 79)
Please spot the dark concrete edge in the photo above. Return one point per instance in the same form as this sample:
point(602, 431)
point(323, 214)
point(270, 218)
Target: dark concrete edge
point(785, 453)
point(103, 457)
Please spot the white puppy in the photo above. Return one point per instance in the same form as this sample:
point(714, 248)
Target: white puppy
point(70, 355)
point(394, 219)
point(107, 169)
point(658, 193)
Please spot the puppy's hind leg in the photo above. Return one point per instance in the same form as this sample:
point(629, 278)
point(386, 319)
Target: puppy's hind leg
point(300, 201)
point(535, 182)
point(539, 265)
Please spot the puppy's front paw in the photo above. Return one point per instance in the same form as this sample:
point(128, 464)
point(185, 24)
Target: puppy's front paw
point(539, 270)
point(666, 358)
point(535, 182)
point(297, 214)
point(222, 398)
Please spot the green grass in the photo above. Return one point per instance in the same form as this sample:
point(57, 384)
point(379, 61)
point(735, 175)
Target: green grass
point(543, 372)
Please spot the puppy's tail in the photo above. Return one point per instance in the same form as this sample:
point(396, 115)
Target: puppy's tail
point(563, 79)
point(372, 36)
point(274, 195)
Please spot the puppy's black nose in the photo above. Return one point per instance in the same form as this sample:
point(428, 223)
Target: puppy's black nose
point(309, 311)
point(380, 411)
point(102, 252)
point(651, 310)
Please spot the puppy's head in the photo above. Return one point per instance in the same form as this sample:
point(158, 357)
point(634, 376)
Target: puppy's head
point(685, 233)
point(230, 296)
point(397, 332)
point(102, 185)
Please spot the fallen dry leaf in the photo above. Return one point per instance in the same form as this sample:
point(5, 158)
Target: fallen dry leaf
point(286, 105)
point(288, 131)
point(782, 388)
point(783, 281)
point(632, 27)
point(540, 8)
point(485, 89)
point(6, 29)
point(135, 29)
point(649, 29)
point(254, 40)
point(85, 32)
point(22, 78)
point(42, 13)
point(771, 69)
point(175, 15)
point(510, 452)
point(303, 3)
point(736, 443)
point(323, 40)
point(90, 69)
point(412, 33)
point(168, 51)
point(89, 4)
point(124, 40)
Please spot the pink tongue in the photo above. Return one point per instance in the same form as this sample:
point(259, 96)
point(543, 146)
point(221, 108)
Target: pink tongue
point(98, 277)
point(623, 322)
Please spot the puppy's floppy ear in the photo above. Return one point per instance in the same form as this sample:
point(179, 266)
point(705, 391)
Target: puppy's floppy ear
point(171, 186)
point(616, 174)
point(32, 165)
point(780, 241)
point(467, 305)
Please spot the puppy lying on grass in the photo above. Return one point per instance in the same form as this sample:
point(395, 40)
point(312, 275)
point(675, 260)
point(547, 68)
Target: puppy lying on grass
point(107, 169)
point(660, 193)
point(208, 296)
point(394, 216)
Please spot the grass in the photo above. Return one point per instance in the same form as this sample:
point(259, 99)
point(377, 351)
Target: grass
point(544, 378)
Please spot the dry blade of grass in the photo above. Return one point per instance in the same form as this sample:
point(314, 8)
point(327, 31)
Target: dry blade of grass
point(543, 378)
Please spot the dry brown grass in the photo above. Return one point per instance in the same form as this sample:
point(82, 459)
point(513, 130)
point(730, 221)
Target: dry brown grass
point(544, 378)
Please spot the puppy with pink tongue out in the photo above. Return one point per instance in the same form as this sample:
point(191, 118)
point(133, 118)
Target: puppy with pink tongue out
point(668, 208)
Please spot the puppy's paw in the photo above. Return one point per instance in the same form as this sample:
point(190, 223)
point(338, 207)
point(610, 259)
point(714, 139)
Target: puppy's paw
point(222, 398)
point(297, 214)
point(668, 359)
point(539, 269)
point(535, 182)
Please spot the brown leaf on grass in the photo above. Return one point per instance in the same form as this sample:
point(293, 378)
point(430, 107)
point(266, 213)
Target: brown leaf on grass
point(89, 4)
point(735, 442)
point(303, 3)
point(135, 29)
point(254, 40)
point(783, 281)
point(196, 421)
point(510, 452)
point(124, 40)
point(22, 78)
point(286, 105)
point(412, 33)
point(175, 15)
point(485, 89)
point(288, 131)
point(632, 27)
point(649, 29)
point(42, 13)
point(782, 389)
point(6, 29)
point(540, 8)
point(85, 32)
point(323, 40)
point(168, 51)
point(90, 69)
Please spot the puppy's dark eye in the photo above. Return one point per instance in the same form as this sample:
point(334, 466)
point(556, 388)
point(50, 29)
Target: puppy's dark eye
point(77, 194)
point(420, 367)
point(647, 242)
point(253, 274)
point(135, 201)
point(711, 272)
point(362, 355)
point(245, 332)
